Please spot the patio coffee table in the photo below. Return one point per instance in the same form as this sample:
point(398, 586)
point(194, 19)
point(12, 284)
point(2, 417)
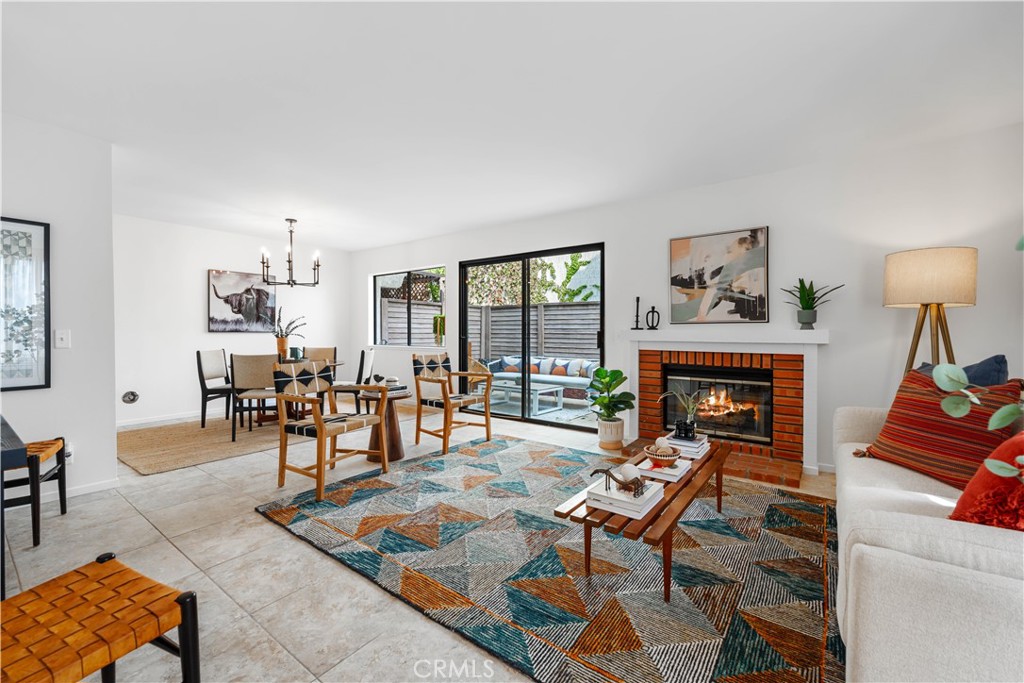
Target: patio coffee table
point(657, 527)
point(537, 389)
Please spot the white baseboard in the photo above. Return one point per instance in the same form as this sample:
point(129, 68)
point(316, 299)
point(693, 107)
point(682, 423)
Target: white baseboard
point(193, 415)
point(51, 495)
point(824, 467)
point(809, 469)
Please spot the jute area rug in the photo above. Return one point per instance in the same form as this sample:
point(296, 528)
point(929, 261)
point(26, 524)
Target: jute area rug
point(469, 539)
point(152, 450)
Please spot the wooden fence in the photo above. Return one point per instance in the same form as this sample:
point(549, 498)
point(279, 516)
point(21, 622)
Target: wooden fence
point(562, 330)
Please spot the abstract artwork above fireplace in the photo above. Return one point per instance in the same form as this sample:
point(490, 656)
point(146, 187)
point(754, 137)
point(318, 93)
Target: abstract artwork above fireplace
point(721, 277)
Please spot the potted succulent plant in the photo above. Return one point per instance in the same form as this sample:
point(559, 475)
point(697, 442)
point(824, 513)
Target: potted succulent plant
point(686, 429)
point(283, 330)
point(607, 405)
point(808, 298)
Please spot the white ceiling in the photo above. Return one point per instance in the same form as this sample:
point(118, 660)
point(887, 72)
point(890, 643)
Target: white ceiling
point(378, 123)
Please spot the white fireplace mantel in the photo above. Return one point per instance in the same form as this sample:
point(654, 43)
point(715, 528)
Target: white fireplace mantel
point(741, 339)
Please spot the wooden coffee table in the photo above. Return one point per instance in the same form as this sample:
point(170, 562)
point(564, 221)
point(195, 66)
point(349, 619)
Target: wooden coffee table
point(657, 527)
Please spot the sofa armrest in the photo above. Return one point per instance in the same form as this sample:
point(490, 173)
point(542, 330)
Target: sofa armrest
point(912, 619)
point(856, 424)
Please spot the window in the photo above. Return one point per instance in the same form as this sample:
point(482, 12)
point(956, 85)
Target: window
point(409, 308)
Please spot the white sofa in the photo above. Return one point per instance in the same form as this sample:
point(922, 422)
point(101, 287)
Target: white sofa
point(920, 597)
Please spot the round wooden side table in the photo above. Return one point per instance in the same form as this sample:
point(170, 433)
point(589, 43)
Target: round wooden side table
point(396, 451)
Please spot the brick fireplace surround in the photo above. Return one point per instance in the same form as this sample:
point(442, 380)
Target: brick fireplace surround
point(778, 463)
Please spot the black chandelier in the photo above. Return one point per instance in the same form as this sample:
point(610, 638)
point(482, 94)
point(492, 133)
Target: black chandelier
point(291, 282)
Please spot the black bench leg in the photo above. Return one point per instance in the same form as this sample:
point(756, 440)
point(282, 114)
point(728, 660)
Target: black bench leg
point(188, 637)
point(108, 673)
point(33, 488)
point(62, 481)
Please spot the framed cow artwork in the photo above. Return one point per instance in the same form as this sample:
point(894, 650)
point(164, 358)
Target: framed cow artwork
point(240, 302)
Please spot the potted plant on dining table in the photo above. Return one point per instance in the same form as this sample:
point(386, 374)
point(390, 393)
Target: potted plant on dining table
point(283, 330)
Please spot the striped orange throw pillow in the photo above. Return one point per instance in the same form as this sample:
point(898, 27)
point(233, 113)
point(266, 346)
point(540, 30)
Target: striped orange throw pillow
point(918, 435)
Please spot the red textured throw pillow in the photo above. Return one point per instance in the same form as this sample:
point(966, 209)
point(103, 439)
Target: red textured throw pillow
point(993, 500)
point(918, 435)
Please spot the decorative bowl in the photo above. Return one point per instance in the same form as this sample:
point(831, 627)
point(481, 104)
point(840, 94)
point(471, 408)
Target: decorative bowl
point(662, 459)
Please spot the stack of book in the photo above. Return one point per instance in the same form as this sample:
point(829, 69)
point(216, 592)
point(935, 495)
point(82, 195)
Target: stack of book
point(672, 473)
point(623, 502)
point(691, 449)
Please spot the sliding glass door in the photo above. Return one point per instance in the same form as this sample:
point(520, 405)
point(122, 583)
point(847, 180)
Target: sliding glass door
point(536, 321)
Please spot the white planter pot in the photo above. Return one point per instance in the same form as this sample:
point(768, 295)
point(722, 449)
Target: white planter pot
point(610, 433)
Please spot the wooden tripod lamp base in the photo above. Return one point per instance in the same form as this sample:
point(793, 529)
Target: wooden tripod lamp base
point(919, 277)
point(936, 314)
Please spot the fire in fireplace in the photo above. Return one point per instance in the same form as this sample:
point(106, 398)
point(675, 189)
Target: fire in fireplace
point(737, 403)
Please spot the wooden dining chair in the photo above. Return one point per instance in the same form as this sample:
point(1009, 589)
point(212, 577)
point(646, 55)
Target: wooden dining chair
point(327, 353)
point(213, 366)
point(436, 370)
point(252, 378)
point(305, 384)
point(364, 375)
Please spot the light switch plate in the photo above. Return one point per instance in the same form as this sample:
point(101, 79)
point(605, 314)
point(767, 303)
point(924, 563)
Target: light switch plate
point(62, 339)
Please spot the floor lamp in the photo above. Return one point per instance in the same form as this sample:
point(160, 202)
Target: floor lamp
point(931, 280)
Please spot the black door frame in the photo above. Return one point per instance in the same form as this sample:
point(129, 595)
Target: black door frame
point(524, 260)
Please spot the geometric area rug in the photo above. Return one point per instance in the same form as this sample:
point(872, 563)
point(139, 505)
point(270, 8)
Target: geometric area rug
point(469, 539)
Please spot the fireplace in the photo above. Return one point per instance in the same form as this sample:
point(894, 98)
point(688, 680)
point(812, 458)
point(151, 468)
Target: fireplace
point(737, 402)
point(769, 387)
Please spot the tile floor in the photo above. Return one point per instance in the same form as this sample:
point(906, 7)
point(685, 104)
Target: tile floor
point(271, 608)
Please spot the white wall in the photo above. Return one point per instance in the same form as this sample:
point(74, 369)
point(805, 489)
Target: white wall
point(161, 311)
point(62, 178)
point(831, 222)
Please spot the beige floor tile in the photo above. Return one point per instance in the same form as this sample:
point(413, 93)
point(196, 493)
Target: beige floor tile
point(272, 571)
point(195, 514)
point(198, 484)
point(160, 561)
point(226, 540)
point(330, 619)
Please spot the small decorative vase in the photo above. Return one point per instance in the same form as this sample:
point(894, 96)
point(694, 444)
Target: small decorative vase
point(610, 433)
point(282, 347)
point(807, 318)
point(686, 429)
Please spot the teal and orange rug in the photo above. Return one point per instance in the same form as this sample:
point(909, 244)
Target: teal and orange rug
point(469, 539)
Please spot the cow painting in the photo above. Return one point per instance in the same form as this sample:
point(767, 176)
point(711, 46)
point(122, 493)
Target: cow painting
point(240, 302)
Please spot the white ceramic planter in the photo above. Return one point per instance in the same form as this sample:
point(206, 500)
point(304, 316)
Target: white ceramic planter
point(610, 433)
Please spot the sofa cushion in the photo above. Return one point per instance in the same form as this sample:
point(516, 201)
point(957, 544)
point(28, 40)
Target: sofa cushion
point(993, 500)
point(544, 365)
point(920, 436)
point(984, 373)
point(510, 364)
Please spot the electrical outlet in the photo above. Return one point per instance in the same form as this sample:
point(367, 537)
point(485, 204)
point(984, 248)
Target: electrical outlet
point(62, 339)
point(69, 450)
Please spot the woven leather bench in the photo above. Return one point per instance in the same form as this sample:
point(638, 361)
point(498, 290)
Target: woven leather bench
point(87, 619)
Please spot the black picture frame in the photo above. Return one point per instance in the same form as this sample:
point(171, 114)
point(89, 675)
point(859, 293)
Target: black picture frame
point(25, 304)
point(719, 277)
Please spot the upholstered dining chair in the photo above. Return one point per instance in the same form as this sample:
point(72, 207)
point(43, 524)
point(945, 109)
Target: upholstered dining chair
point(327, 353)
point(436, 370)
point(252, 376)
point(304, 384)
point(364, 375)
point(213, 366)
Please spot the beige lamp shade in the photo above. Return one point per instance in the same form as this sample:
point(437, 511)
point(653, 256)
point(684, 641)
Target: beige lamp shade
point(940, 275)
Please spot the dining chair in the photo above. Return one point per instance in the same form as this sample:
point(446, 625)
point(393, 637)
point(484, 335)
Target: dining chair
point(436, 369)
point(364, 375)
point(37, 453)
point(327, 353)
point(213, 365)
point(305, 384)
point(252, 377)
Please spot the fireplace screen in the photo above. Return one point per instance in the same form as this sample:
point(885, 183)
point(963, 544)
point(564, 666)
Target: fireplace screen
point(737, 403)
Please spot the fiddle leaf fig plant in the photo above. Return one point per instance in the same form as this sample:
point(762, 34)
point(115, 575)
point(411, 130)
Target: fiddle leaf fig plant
point(963, 394)
point(604, 401)
point(807, 297)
